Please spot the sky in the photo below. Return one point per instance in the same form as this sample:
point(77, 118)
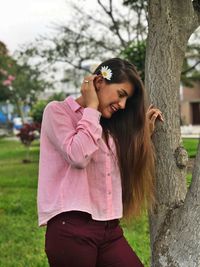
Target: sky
point(21, 21)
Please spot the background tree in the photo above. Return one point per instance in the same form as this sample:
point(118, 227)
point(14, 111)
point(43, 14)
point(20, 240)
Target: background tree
point(19, 82)
point(135, 52)
point(6, 77)
point(107, 34)
point(115, 30)
point(175, 222)
point(3, 49)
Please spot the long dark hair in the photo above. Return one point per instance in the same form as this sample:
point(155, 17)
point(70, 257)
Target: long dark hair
point(130, 130)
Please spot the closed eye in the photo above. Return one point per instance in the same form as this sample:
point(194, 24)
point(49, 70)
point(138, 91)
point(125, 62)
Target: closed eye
point(121, 95)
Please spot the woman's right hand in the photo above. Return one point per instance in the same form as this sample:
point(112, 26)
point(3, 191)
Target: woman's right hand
point(89, 93)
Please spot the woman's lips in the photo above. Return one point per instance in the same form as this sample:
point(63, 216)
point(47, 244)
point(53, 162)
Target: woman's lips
point(114, 109)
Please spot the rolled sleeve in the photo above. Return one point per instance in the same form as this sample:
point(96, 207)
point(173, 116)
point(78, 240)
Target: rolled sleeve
point(78, 142)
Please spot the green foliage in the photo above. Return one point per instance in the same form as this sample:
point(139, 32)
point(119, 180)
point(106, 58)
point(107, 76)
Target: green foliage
point(38, 107)
point(26, 85)
point(135, 53)
point(19, 82)
point(57, 96)
point(6, 69)
point(3, 49)
point(37, 110)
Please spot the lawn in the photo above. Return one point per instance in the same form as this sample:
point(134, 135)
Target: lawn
point(21, 240)
point(191, 146)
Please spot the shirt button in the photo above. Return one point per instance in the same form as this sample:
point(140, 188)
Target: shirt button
point(109, 193)
point(107, 154)
point(86, 156)
point(108, 174)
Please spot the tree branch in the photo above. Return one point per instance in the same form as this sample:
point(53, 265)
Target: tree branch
point(191, 68)
point(89, 38)
point(90, 17)
point(116, 27)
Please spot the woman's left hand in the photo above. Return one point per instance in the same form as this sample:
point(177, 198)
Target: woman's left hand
point(153, 114)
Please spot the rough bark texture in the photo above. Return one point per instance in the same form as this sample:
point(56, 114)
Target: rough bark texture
point(175, 222)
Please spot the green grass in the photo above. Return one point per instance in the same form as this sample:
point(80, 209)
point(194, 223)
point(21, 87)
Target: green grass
point(191, 145)
point(138, 237)
point(21, 240)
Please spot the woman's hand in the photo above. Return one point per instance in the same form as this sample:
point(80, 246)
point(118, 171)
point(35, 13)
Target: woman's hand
point(153, 114)
point(89, 93)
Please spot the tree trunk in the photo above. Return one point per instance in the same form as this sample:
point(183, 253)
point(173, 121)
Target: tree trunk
point(175, 222)
point(19, 109)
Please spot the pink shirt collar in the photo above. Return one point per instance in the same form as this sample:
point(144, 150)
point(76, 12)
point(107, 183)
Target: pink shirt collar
point(73, 104)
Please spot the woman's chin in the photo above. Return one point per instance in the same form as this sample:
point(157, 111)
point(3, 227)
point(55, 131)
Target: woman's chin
point(107, 113)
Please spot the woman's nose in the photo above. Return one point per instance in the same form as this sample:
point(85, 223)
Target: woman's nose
point(122, 103)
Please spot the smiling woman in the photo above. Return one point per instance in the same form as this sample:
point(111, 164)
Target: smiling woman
point(130, 130)
point(85, 184)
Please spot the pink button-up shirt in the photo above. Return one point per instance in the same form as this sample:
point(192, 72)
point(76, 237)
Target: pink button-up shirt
point(76, 169)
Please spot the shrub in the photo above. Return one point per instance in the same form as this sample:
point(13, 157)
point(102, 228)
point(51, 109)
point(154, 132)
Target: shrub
point(37, 110)
point(28, 133)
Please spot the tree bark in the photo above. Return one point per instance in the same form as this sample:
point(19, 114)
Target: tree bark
point(175, 221)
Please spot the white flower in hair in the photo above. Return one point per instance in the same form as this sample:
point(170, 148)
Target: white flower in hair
point(106, 72)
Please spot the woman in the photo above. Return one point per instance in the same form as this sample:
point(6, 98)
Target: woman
point(96, 166)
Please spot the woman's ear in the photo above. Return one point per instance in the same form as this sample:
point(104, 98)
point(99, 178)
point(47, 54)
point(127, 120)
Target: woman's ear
point(99, 80)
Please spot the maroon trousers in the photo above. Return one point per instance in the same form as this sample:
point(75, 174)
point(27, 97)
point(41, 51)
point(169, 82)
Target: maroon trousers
point(74, 239)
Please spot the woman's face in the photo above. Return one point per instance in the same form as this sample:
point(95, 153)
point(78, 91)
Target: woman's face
point(112, 96)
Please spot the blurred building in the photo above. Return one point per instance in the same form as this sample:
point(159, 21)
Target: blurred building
point(190, 104)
